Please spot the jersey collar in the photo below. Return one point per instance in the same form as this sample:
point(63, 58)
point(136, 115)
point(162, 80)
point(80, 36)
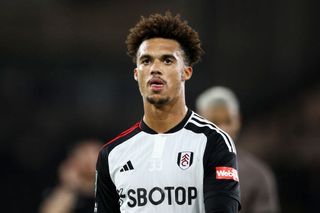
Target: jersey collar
point(144, 127)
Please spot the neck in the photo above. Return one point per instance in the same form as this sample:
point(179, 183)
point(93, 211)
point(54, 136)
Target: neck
point(163, 118)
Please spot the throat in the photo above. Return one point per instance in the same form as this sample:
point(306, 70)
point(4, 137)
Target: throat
point(161, 120)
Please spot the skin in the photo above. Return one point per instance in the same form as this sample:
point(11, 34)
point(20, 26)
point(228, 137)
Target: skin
point(161, 74)
point(224, 118)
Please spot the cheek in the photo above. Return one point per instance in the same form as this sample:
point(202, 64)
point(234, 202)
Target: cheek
point(176, 75)
point(140, 78)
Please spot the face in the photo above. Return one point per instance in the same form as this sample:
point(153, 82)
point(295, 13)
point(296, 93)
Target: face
point(161, 71)
point(224, 119)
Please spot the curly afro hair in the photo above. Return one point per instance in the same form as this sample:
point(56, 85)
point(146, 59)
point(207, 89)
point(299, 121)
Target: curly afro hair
point(165, 26)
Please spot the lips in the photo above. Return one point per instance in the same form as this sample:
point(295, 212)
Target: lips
point(156, 84)
point(157, 81)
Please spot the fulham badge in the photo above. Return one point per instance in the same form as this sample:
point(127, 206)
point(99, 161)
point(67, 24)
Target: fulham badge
point(185, 159)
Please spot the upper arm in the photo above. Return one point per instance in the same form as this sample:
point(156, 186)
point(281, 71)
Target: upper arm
point(107, 198)
point(221, 182)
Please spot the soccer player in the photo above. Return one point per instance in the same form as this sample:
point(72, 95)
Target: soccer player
point(173, 160)
point(258, 186)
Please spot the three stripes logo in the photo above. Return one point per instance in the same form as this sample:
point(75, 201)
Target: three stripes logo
point(128, 166)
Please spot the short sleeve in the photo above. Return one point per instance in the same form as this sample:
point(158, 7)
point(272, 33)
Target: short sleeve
point(221, 180)
point(107, 198)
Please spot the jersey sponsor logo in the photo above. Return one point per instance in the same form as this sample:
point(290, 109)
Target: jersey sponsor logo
point(185, 160)
point(168, 195)
point(121, 196)
point(227, 173)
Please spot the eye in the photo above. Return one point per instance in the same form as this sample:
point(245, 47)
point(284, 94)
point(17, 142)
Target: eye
point(168, 61)
point(145, 61)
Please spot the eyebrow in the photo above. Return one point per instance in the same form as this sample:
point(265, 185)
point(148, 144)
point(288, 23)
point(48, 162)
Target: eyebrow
point(144, 56)
point(162, 56)
point(168, 56)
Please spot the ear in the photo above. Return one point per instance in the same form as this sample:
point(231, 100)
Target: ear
point(187, 73)
point(135, 74)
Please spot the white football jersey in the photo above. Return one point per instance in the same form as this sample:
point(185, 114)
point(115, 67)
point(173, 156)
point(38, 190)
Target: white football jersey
point(172, 172)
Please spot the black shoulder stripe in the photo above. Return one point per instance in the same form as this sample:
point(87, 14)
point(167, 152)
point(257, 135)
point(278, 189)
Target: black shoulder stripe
point(202, 122)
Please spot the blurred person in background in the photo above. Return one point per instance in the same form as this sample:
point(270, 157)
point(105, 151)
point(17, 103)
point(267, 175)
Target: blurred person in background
point(258, 186)
point(74, 192)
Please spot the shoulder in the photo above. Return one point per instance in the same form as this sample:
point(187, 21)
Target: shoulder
point(121, 138)
point(215, 135)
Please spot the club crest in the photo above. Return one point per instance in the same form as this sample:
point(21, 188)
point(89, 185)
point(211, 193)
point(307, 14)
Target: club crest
point(185, 159)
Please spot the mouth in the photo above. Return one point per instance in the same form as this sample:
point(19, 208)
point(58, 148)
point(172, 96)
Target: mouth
point(156, 84)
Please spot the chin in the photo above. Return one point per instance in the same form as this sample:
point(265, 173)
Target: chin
point(158, 101)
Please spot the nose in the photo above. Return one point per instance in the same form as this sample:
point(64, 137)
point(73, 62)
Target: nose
point(155, 69)
point(156, 72)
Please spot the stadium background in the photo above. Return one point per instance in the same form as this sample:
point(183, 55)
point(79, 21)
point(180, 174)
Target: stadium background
point(65, 76)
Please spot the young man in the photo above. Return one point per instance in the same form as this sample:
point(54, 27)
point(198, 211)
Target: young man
point(173, 160)
point(258, 186)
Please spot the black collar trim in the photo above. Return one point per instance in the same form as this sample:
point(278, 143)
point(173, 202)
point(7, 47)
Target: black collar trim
point(144, 127)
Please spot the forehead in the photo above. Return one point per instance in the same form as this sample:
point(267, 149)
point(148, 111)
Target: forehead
point(159, 46)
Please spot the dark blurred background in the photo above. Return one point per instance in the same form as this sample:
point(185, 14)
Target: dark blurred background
point(65, 76)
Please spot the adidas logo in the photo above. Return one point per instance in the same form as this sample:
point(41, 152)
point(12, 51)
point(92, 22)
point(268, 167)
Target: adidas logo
point(127, 166)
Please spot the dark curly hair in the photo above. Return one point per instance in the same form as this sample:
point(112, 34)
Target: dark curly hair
point(165, 26)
